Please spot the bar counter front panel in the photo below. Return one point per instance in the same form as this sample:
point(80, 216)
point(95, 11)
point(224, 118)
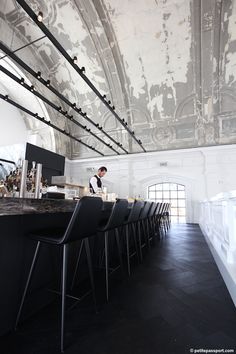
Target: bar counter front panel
point(18, 217)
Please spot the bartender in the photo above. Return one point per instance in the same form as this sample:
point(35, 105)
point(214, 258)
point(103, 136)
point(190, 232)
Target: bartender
point(95, 182)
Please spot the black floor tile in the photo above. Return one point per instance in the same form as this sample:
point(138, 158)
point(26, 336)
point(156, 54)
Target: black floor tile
point(175, 300)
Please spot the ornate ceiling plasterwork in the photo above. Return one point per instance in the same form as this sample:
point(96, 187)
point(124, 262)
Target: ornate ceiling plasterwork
point(168, 67)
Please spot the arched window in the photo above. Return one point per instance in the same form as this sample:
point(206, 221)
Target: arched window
point(173, 193)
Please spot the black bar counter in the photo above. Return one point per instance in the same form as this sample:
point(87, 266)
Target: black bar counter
point(17, 218)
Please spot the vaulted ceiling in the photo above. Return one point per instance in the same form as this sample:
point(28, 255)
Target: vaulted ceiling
point(168, 66)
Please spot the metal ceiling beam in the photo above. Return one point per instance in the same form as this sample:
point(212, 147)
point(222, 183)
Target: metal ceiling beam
point(47, 84)
point(42, 119)
point(8, 161)
point(51, 104)
point(59, 47)
point(24, 46)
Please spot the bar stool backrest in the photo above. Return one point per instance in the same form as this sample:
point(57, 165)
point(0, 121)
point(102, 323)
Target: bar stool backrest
point(84, 220)
point(152, 210)
point(158, 208)
point(161, 207)
point(145, 210)
point(166, 208)
point(135, 211)
point(118, 214)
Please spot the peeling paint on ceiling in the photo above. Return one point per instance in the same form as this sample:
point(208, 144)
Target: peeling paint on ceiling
point(155, 60)
point(168, 66)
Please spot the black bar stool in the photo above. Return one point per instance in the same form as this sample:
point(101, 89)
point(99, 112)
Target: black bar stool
point(143, 224)
point(115, 221)
point(156, 220)
point(104, 216)
point(167, 215)
point(161, 219)
point(83, 224)
point(164, 218)
point(168, 212)
point(150, 222)
point(132, 222)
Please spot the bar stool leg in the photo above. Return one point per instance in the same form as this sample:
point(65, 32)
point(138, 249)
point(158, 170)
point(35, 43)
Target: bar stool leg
point(119, 250)
point(127, 247)
point(90, 267)
point(140, 242)
point(148, 233)
point(27, 283)
point(135, 243)
point(157, 228)
point(145, 235)
point(77, 265)
point(63, 293)
point(106, 265)
point(153, 231)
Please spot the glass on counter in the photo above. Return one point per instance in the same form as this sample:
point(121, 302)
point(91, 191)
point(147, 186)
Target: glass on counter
point(3, 189)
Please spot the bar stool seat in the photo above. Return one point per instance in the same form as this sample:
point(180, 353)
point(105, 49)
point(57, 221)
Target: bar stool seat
point(51, 236)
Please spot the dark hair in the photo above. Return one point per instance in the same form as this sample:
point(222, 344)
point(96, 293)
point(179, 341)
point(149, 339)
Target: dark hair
point(103, 168)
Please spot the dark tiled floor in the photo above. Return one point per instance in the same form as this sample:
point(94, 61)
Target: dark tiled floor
point(174, 301)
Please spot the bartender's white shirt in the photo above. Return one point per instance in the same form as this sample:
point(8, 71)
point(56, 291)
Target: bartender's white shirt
point(93, 181)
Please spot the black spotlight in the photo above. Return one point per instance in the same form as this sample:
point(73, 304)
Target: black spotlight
point(38, 75)
point(22, 81)
point(75, 60)
point(48, 83)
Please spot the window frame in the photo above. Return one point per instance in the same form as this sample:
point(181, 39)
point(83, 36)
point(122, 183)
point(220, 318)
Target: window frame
point(163, 192)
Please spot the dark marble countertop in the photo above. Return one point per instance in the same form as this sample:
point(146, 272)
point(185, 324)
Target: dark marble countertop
point(22, 206)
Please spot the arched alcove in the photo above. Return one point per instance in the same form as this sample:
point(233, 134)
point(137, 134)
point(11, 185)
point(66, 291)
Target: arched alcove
point(175, 179)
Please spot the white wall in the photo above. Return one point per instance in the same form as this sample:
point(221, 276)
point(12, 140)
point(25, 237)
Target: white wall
point(204, 171)
point(12, 126)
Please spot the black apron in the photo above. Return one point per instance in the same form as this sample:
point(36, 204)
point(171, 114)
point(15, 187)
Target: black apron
point(99, 184)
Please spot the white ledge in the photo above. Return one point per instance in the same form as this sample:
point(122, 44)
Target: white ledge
point(218, 224)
